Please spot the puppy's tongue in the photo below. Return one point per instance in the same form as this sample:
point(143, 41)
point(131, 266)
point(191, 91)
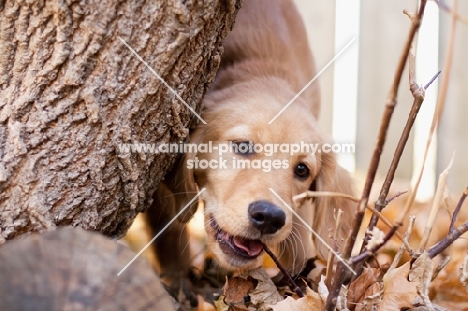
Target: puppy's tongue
point(251, 247)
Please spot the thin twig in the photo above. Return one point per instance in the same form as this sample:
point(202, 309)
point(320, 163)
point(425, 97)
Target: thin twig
point(382, 201)
point(435, 207)
point(438, 111)
point(401, 250)
point(454, 233)
point(341, 271)
point(388, 223)
point(331, 256)
point(457, 209)
point(396, 195)
point(293, 285)
point(432, 80)
point(448, 240)
point(440, 266)
point(418, 94)
point(316, 194)
point(324, 194)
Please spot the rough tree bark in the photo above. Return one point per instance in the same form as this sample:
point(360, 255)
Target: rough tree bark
point(71, 92)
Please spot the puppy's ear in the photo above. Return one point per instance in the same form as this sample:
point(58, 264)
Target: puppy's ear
point(179, 187)
point(180, 184)
point(332, 178)
point(171, 196)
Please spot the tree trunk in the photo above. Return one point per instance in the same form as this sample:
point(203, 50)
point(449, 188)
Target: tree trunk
point(71, 92)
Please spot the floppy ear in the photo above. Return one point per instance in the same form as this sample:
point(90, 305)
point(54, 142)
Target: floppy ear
point(178, 188)
point(333, 178)
point(171, 196)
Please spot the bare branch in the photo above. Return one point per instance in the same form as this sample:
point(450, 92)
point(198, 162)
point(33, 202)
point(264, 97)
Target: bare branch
point(401, 251)
point(341, 271)
point(447, 241)
point(435, 207)
point(382, 202)
point(457, 209)
point(331, 256)
point(432, 80)
point(293, 285)
point(396, 195)
point(439, 107)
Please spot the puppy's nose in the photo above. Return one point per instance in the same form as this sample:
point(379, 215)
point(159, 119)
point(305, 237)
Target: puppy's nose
point(266, 217)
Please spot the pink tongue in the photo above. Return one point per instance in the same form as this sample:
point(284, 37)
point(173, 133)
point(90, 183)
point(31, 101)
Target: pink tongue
point(251, 247)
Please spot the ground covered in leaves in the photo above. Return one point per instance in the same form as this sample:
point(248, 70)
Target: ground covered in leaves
point(395, 278)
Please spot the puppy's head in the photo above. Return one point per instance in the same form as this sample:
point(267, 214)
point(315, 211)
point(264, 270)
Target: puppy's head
point(251, 174)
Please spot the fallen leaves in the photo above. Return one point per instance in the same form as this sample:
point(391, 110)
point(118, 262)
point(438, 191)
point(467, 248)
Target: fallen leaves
point(398, 291)
point(449, 289)
point(237, 290)
point(311, 301)
point(422, 274)
point(417, 285)
point(251, 290)
point(366, 285)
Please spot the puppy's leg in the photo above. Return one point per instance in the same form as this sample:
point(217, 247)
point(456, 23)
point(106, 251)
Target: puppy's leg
point(171, 246)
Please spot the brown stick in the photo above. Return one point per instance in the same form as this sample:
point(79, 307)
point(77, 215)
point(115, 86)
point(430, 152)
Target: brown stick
point(439, 108)
point(448, 240)
point(293, 285)
point(382, 201)
point(341, 271)
point(457, 209)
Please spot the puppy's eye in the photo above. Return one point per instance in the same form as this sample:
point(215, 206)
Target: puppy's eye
point(242, 147)
point(301, 171)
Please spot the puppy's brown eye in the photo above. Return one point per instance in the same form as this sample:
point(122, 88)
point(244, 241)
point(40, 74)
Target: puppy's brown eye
point(301, 171)
point(242, 147)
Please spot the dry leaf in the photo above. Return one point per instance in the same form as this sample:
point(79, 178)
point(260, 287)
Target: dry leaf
point(422, 274)
point(371, 303)
point(398, 292)
point(364, 286)
point(447, 290)
point(236, 290)
point(265, 293)
point(311, 301)
point(251, 289)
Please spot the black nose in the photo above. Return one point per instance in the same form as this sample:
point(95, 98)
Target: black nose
point(266, 217)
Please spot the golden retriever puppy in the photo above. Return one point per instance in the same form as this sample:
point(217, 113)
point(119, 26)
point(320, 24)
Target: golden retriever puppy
point(248, 191)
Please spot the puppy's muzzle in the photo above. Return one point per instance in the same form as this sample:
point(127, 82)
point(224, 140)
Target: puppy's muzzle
point(266, 217)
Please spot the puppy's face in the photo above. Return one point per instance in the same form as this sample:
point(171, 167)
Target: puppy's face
point(249, 187)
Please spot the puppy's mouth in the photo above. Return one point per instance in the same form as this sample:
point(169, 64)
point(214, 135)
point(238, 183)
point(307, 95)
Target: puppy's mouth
point(236, 245)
